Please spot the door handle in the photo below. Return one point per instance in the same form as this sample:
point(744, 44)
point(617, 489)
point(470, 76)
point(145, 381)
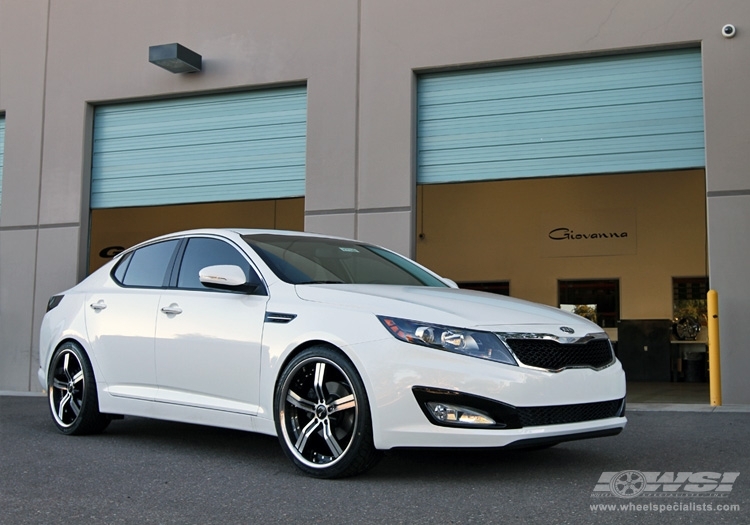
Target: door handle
point(172, 309)
point(98, 306)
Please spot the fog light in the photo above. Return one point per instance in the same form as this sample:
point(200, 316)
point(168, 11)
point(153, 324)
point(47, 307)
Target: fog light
point(447, 414)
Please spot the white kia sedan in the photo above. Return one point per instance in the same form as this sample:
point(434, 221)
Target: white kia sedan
point(340, 348)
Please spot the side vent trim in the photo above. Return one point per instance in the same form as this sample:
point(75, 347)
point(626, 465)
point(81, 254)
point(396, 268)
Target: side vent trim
point(277, 317)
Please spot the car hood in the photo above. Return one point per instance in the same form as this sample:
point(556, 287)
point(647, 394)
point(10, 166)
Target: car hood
point(447, 306)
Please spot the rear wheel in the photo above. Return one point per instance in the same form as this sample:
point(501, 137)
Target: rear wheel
point(71, 389)
point(323, 416)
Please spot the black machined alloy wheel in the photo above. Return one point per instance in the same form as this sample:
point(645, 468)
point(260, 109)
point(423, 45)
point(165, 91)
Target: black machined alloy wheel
point(323, 416)
point(72, 394)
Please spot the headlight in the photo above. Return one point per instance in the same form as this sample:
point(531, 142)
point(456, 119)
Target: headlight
point(484, 345)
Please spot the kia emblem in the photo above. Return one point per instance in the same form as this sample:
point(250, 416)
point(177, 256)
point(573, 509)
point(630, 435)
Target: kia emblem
point(567, 329)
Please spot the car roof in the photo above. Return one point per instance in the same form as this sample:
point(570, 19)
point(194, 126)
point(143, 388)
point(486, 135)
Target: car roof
point(231, 232)
point(256, 231)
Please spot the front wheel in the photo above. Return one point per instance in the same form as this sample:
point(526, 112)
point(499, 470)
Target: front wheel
point(322, 415)
point(71, 389)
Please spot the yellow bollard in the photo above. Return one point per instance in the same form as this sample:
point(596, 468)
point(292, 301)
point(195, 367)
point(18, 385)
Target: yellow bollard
point(714, 361)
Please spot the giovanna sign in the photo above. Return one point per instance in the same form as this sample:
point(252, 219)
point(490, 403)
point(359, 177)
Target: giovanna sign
point(562, 234)
point(581, 233)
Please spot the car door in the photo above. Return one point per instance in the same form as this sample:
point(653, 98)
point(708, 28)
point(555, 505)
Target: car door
point(121, 320)
point(208, 342)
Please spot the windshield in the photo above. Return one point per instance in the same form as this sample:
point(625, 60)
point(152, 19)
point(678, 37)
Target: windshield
point(313, 260)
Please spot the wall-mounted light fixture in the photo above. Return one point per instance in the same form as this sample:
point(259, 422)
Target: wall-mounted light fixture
point(175, 58)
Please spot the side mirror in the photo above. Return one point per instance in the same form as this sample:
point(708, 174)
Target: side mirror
point(226, 277)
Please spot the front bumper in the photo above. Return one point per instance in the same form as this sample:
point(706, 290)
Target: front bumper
point(395, 369)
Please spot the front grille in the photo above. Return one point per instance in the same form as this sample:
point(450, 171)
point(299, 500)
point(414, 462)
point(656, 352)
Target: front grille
point(551, 355)
point(557, 415)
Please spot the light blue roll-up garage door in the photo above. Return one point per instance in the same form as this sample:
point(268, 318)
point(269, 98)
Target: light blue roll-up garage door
point(2, 156)
point(626, 113)
point(238, 146)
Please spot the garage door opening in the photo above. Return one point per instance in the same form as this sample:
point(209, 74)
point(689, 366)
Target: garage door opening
point(642, 231)
point(114, 229)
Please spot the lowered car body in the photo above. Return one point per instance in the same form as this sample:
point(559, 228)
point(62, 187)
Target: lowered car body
point(340, 348)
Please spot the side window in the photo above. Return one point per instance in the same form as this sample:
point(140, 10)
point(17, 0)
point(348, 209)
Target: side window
point(146, 267)
point(121, 268)
point(201, 252)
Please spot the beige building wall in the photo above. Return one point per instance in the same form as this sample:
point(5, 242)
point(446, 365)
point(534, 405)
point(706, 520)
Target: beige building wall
point(359, 60)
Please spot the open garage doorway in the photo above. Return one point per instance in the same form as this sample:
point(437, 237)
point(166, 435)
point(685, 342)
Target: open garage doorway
point(639, 234)
point(114, 229)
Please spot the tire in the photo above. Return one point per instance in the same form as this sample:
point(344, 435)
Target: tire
point(71, 389)
point(323, 417)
